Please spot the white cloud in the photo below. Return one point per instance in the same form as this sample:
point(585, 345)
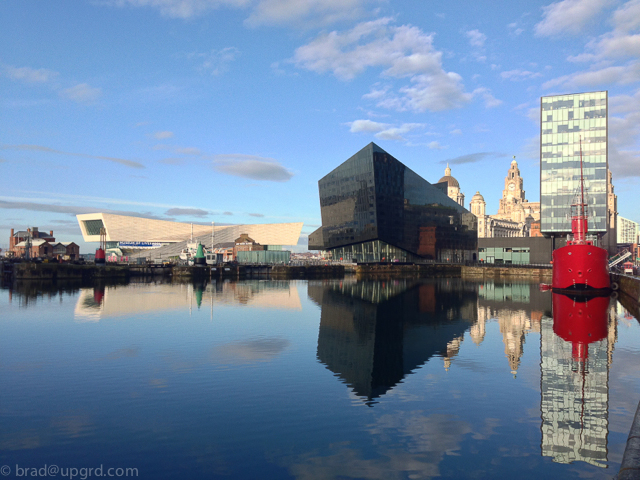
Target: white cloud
point(607, 49)
point(29, 75)
point(179, 8)
point(383, 131)
point(519, 74)
point(399, 52)
point(627, 17)
point(307, 12)
point(476, 38)
point(621, 75)
point(610, 46)
point(82, 93)
point(435, 145)
point(624, 135)
point(215, 62)
point(162, 135)
point(569, 16)
point(261, 12)
point(489, 100)
point(376, 93)
point(250, 166)
point(366, 126)
point(515, 29)
point(396, 133)
point(187, 150)
point(533, 114)
point(456, 131)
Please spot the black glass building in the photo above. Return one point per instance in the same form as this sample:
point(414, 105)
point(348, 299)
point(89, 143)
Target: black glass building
point(375, 209)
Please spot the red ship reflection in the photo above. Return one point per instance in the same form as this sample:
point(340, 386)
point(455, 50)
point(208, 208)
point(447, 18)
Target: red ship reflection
point(581, 321)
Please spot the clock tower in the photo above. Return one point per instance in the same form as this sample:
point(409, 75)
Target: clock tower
point(513, 193)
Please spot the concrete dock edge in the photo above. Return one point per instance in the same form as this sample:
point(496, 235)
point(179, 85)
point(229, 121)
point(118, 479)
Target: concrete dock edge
point(630, 466)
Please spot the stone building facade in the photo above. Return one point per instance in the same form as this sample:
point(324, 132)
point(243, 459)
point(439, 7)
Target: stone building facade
point(515, 213)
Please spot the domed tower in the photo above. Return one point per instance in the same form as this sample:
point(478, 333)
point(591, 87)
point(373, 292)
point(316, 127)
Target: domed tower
point(479, 208)
point(477, 205)
point(453, 187)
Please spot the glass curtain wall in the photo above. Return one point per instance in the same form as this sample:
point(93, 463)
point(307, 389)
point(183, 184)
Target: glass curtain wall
point(564, 121)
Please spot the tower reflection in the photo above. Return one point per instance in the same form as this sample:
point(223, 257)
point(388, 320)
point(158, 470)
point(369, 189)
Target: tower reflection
point(576, 350)
point(374, 333)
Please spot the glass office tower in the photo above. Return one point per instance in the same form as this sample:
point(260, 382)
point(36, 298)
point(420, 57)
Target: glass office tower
point(376, 209)
point(564, 121)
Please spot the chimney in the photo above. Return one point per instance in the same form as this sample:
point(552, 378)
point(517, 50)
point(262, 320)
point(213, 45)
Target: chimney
point(51, 233)
point(35, 231)
point(12, 232)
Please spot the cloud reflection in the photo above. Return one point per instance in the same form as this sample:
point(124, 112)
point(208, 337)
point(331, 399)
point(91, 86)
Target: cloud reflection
point(421, 442)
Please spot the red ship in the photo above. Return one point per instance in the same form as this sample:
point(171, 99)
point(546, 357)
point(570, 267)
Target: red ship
point(580, 266)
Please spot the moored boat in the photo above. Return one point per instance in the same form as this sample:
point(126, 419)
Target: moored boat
point(580, 266)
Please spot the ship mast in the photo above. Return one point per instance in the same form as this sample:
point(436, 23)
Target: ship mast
point(579, 215)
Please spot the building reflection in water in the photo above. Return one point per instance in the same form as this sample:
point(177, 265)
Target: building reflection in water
point(518, 308)
point(102, 301)
point(373, 333)
point(576, 348)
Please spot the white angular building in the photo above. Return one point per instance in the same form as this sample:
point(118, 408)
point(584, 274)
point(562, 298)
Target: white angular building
point(135, 234)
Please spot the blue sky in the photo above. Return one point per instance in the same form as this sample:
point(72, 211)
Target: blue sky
point(230, 111)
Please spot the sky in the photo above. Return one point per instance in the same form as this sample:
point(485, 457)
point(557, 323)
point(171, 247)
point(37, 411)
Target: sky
point(230, 111)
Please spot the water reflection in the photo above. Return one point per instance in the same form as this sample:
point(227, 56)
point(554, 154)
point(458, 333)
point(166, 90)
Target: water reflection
point(518, 307)
point(373, 333)
point(576, 347)
point(264, 393)
point(102, 299)
point(102, 302)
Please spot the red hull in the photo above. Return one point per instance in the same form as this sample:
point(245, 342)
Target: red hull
point(580, 268)
point(580, 322)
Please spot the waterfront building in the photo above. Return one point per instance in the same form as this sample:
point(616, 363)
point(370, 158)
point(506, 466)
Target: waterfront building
point(40, 244)
point(130, 235)
point(566, 123)
point(66, 249)
point(452, 186)
point(628, 230)
point(374, 208)
point(30, 234)
point(515, 214)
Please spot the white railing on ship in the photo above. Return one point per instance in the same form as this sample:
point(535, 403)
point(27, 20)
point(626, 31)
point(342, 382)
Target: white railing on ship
point(591, 238)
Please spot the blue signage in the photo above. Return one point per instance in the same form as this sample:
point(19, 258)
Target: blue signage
point(140, 244)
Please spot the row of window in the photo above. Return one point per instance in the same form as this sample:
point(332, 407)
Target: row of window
point(572, 139)
point(577, 114)
point(585, 153)
point(584, 100)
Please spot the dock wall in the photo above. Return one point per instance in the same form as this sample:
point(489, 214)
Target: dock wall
point(543, 274)
point(66, 271)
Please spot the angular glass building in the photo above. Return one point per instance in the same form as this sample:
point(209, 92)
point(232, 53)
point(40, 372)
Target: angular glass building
point(564, 120)
point(375, 209)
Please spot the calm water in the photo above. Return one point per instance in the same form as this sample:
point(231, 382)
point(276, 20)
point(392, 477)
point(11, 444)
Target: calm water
point(316, 380)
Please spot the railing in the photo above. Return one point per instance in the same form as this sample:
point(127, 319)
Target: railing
point(620, 257)
point(590, 238)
